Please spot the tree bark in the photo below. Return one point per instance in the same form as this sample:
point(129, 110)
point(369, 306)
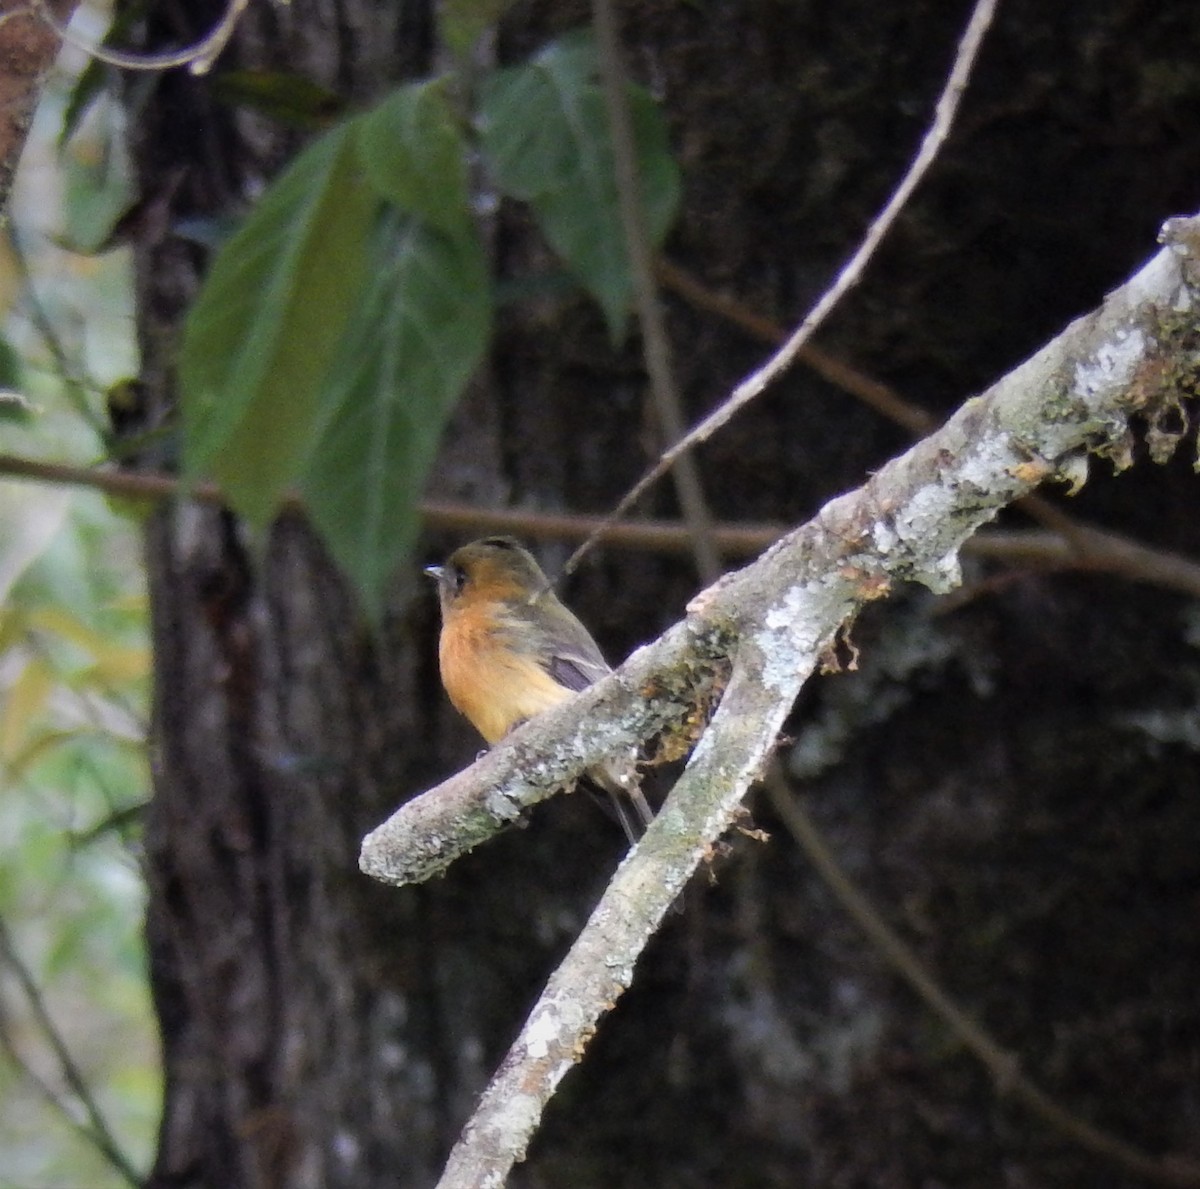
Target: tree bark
point(1009, 780)
point(297, 1004)
point(28, 48)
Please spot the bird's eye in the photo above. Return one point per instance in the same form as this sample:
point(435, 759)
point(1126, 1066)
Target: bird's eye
point(458, 578)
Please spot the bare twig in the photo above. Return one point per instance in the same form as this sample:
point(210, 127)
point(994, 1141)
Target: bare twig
point(96, 1130)
point(847, 278)
point(732, 539)
point(1002, 1065)
point(667, 536)
point(198, 58)
point(134, 485)
point(48, 1093)
point(655, 343)
point(1087, 548)
point(871, 392)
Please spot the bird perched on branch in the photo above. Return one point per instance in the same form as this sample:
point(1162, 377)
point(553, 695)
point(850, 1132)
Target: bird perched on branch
point(509, 650)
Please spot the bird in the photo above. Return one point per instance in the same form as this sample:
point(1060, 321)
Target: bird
point(509, 649)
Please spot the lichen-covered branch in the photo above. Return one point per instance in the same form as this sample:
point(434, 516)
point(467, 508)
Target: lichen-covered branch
point(1075, 397)
point(772, 622)
point(600, 965)
point(779, 616)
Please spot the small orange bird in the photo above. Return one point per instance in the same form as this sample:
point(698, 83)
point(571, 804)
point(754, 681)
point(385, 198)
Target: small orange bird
point(509, 650)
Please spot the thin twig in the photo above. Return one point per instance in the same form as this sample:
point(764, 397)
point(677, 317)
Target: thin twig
point(662, 536)
point(656, 345)
point(198, 58)
point(96, 1130)
point(1002, 1065)
point(146, 486)
point(1086, 548)
point(873, 393)
point(43, 1087)
point(753, 385)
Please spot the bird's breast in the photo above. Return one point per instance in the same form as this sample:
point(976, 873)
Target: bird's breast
point(491, 682)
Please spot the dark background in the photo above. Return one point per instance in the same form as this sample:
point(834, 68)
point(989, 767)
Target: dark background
point(1013, 777)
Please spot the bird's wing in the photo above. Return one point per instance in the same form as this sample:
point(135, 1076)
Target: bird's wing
point(577, 670)
point(573, 658)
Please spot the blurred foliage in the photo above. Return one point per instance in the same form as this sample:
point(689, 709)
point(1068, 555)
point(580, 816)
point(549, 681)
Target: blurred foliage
point(545, 130)
point(290, 99)
point(339, 325)
point(74, 668)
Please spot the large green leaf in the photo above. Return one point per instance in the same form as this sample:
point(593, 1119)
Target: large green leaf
point(417, 334)
point(259, 337)
point(415, 156)
point(545, 129)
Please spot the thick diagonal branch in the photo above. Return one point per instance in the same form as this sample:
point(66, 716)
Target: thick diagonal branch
point(599, 967)
point(907, 524)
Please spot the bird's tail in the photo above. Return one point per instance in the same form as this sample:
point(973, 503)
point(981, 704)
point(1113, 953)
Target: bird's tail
point(623, 788)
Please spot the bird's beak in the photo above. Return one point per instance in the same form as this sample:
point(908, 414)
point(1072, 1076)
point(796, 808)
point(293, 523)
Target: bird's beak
point(434, 572)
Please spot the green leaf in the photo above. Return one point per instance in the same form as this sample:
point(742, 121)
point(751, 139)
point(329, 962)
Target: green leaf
point(24, 700)
point(88, 88)
point(98, 190)
point(97, 77)
point(415, 156)
point(416, 336)
point(282, 95)
point(545, 130)
point(271, 314)
point(12, 375)
point(14, 408)
point(462, 22)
